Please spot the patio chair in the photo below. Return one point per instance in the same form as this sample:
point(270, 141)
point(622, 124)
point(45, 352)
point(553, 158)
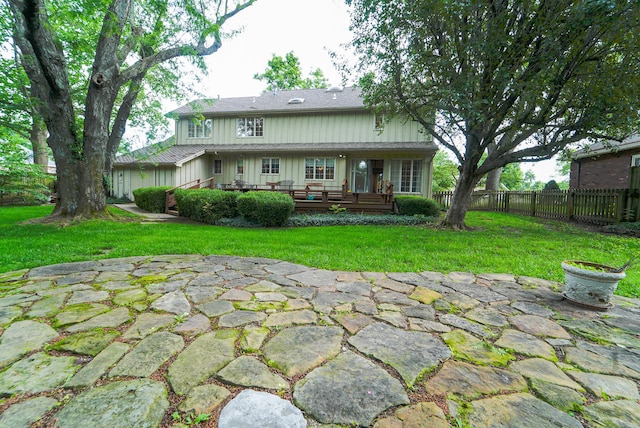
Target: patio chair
point(285, 184)
point(241, 184)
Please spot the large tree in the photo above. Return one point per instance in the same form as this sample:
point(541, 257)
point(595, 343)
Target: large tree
point(133, 39)
point(19, 122)
point(501, 81)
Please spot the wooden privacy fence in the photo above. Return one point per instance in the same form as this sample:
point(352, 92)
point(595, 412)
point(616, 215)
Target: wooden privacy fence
point(598, 206)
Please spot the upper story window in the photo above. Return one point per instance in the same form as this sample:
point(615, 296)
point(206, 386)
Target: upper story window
point(378, 121)
point(319, 168)
point(270, 166)
point(635, 160)
point(406, 175)
point(199, 128)
point(248, 127)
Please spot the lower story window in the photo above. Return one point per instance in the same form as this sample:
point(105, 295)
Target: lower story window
point(270, 166)
point(217, 166)
point(240, 166)
point(406, 175)
point(319, 168)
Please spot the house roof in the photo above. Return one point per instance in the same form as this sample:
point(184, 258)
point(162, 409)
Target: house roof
point(162, 153)
point(300, 100)
point(608, 146)
point(179, 154)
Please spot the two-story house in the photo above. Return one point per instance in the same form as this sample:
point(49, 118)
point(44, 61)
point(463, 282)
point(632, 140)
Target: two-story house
point(321, 137)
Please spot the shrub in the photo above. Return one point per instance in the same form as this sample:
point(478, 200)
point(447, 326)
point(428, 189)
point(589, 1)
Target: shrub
point(412, 205)
point(151, 199)
point(630, 229)
point(268, 209)
point(308, 220)
point(206, 205)
point(551, 185)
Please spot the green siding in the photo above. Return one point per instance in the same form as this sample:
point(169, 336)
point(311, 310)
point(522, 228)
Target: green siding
point(356, 127)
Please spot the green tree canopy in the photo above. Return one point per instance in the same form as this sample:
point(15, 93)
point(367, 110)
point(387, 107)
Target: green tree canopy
point(515, 80)
point(530, 182)
point(512, 177)
point(286, 73)
point(445, 172)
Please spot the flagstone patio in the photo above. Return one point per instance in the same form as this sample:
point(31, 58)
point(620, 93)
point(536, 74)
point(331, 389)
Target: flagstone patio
point(157, 341)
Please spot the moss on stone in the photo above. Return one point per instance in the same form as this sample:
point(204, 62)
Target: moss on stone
point(149, 279)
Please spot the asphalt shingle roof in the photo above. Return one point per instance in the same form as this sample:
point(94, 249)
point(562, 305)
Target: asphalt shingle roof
point(275, 102)
point(601, 148)
point(177, 155)
point(158, 155)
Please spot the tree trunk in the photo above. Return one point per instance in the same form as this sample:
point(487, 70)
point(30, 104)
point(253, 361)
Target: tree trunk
point(38, 137)
point(461, 200)
point(467, 181)
point(493, 180)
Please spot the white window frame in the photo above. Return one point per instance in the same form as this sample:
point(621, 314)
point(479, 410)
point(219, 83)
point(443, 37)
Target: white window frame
point(406, 175)
point(249, 127)
point(200, 128)
point(635, 160)
point(320, 168)
point(272, 165)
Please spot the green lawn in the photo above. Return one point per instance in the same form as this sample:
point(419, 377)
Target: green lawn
point(502, 243)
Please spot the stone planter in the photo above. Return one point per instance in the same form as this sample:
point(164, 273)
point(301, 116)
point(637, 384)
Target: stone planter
point(593, 286)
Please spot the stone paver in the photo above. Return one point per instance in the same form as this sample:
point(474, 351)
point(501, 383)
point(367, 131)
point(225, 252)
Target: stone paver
point(260, 409)
point(411, 353)
point(135, 341)
point(299, 349)
point(470, 381)
point(24, 414)
point(202, 359)
point(518, 411)
point(22, 337)
point(328, 392)
point(137, 403)
point(148, 355)
point(37, 373)
point(248, 371)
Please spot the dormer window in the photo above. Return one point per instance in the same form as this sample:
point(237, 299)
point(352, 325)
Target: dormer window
point(296, 101)
point(199, 128)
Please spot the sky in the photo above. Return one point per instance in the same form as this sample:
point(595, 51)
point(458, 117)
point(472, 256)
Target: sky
point(311, 29)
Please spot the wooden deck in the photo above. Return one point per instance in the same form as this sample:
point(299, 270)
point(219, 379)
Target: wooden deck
point(308, 198)
point(321, 201)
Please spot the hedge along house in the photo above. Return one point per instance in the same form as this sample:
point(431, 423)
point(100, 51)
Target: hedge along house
point(316, 137)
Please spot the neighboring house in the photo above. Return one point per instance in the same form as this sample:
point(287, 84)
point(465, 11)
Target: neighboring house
point(605, 165)
point(322, 137)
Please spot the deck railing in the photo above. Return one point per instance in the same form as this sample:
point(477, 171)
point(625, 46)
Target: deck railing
point(597, 206)
point(309, 197)
point(170, 197)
